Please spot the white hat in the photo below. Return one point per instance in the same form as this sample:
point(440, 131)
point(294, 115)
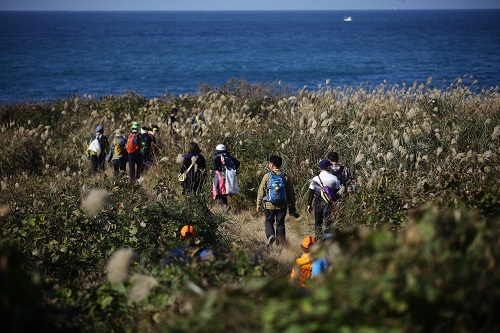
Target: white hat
point(220, 148)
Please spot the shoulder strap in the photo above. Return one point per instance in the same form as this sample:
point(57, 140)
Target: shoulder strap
point(320, 181)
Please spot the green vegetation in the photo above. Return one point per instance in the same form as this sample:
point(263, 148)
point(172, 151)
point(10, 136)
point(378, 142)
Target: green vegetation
point(418, 249)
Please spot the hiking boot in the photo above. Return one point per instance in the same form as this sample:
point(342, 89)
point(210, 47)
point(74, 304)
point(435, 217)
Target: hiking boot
point(270, 240)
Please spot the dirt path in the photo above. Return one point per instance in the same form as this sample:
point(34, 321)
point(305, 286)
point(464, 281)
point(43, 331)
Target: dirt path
point(247, 228)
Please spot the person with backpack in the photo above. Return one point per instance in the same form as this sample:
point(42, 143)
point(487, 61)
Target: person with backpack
point(341, 172)
point(118, 154)
point(346, 182)
point(323, 190)
point(97, 149)
point(146, 149)
point(225, 176)
point(194, 166)
point(275, 194)
point(302, 270)
point(196, 123)
point(323, 263)
point(133, 148)
point(188, 248)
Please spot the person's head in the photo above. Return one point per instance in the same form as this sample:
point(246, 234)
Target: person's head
point(155, 129)
point(118, 132)
point(175, 110)
point(333, 157)
point(135, 126)
point(220, 148)
point(188, 234)
point(99, 129)
point(144, 130)
point(194, 148)
point(307, 243)
point(275, 162)
point(325, 165)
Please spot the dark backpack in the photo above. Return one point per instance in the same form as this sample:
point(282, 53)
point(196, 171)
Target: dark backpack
point(341, 175)
point(133, 143)
point(276, 192)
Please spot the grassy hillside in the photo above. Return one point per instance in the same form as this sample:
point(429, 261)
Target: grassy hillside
point(418, 249)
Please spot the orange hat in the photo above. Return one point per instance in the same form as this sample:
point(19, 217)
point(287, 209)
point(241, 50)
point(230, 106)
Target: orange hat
point(187, 228)
point(308, 241)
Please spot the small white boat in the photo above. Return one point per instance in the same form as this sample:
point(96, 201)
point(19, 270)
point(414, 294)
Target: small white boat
point(347, 19)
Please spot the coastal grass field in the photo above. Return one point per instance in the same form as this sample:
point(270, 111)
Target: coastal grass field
point(418, 244)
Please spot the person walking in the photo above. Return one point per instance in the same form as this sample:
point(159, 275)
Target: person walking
point(194, 165)
point(319, 189)
point(346, 184)
point(225, 177)
point(275, 194)
point(118, 154)
point(146, 149)
point(302, 270)
point(97, 149)
point(133, 148)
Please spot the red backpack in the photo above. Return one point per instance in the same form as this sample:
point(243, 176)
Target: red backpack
point(133, 144)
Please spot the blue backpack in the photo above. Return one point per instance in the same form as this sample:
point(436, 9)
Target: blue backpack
point(276, 193)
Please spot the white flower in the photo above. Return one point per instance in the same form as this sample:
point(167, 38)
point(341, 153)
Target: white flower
point(141, 285)
point(359, 158)
point(118, 265)
point(496, 132)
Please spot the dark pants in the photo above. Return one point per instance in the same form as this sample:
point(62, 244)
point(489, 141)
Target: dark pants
point(119, 165)
point(134, 166)
point(323, 212)
point(278, 216)
point(97, 163)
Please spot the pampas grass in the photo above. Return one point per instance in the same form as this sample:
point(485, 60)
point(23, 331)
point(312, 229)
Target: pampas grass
point(118, 265)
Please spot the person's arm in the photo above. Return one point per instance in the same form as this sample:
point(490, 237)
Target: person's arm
point(290, 191)
point(310, 198)
point(236, 162)
point(261, 192)
point(111, 150)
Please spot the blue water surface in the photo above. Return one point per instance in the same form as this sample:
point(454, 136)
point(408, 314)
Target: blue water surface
point(51, 55)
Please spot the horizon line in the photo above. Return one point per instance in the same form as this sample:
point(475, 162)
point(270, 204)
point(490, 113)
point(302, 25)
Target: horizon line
point(236, 10)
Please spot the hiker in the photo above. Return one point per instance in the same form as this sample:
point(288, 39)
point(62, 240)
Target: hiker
point(346, 183)
point(341, 172)
point(225, 177)
point(302, 270)
point(322, 189)
point(275, 194)
point(97, 149)
point(196, 122)
point(146, 149)
point(133, 148)
point(194, 166)
point(157, 141)
point(118, 154)
point(323, 263)
point(187, 248)
point(172, 123)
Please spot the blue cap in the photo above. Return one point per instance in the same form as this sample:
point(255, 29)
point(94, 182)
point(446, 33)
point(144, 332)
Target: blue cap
point(324, 164)
point(99, 128)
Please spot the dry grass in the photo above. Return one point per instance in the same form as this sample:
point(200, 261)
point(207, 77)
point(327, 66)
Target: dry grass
point(247, 228)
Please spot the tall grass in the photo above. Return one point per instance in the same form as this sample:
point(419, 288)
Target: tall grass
point(406, 146)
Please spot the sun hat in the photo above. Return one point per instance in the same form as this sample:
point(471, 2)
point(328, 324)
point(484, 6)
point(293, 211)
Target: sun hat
point(99, 128)
point(324, 164)
point(187, 229)
point(220, 148)
point(308, 241)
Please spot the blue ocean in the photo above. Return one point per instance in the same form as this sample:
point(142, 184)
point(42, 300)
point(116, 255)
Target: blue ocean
point(52, 55)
